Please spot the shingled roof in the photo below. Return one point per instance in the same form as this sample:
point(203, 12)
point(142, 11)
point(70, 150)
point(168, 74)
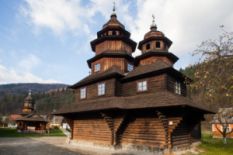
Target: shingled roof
point(144, 69)
point(112, 72)
point(153, 100)
point(152, 53)
point(33, 117)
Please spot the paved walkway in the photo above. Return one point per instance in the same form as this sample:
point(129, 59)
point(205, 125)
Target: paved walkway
point(55, 146)
point(36, 146)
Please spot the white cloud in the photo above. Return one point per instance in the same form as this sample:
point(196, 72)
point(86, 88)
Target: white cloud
point(12, 76)
point(70, 15)
point(22, 71)
point(57, 15)
point(185, 22)
point(29, 62)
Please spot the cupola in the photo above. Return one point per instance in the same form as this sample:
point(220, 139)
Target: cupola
point(154, 47)
point(112, 47)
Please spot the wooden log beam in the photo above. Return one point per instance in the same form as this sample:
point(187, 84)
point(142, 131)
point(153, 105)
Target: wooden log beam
point(110, 122)
point(120, 128)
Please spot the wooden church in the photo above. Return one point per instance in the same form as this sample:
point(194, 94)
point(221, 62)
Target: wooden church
point(30, 121)
point(133, 102)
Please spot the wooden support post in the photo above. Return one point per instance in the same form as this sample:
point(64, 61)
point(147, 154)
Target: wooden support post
point(164, 121)
point(110, 121)
point(115, 128)
point(120, 128)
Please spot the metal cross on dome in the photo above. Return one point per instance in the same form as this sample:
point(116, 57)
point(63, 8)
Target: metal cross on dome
point(114, 6)
point(153, 19)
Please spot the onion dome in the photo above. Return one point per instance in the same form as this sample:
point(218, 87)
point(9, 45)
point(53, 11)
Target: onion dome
point(112, 30)
point(113, 22)
point(153, 32)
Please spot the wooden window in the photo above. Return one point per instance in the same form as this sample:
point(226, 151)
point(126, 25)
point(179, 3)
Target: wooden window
point(97, 67)
point(142, 86)
point(83, 93)
point(148, 46)
point(157, 44)
point(113, 33)
point(129, 67)
point(101, 89)
point(177, 88)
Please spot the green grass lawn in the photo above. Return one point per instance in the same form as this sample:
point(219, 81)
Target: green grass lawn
point(213, 146)
point(8, 132)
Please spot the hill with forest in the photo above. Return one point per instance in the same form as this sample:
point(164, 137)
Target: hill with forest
point(47, 97)
point(22, 88)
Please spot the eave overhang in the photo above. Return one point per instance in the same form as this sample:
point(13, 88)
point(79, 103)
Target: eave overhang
point(169, 55)
point(96, 79)
point(109, 54)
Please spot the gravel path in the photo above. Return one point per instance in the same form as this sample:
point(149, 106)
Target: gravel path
point(36, 146)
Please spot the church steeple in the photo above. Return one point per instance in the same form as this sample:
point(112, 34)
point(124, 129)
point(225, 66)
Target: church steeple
point(154, 47)
point(28, 103)
point(112, 47)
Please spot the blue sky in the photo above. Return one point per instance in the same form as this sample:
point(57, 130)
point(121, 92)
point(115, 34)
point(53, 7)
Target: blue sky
point(49, 40)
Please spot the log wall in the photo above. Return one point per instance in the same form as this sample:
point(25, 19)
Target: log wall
point(153, 46)
point(181, 136)
point(171, 85)
point(92, 130)
point(92, 90)
point(145, 131)
point(154, 84)
point(140, 130)
point(106, 63)
point(154, 59)
point(113, 46)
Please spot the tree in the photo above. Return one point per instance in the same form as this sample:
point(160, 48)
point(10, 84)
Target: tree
point(224, 118)
point(213, 77)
